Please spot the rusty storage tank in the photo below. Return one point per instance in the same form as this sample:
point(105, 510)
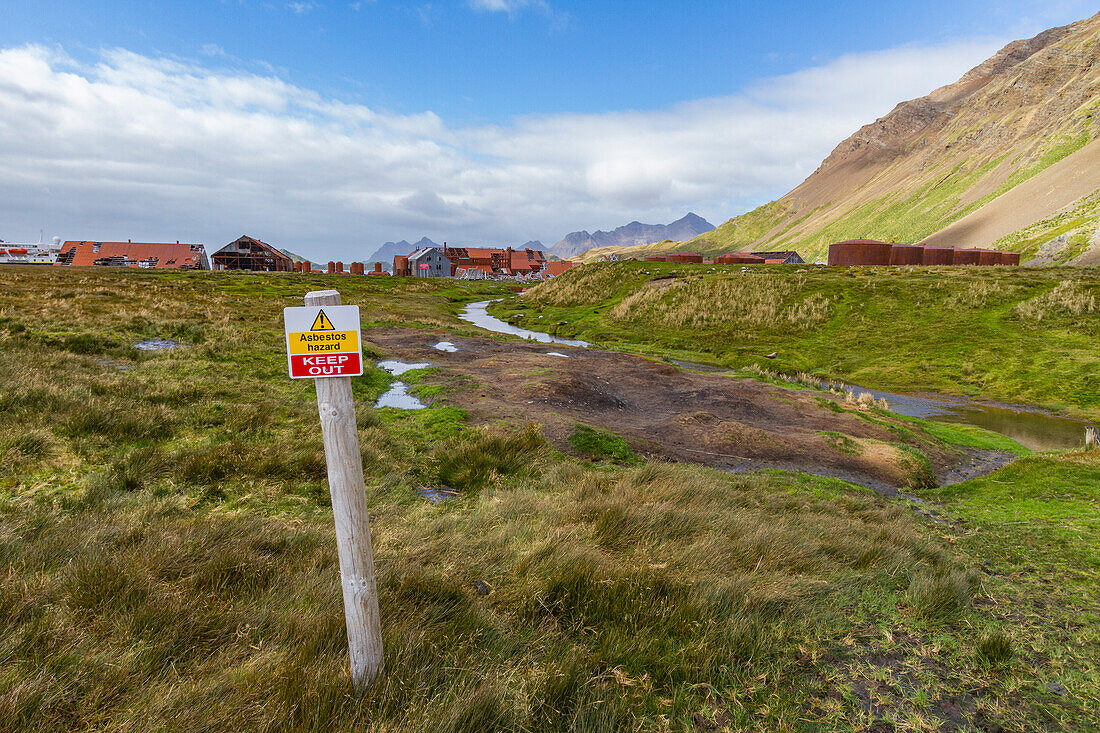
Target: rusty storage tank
point(1010, 258)
point(906, 254)
point(657, 258)
point(401, 265)
point(686, 257)
point(738, 258)
point(938, 256)
point(331, 267)
point(860, 252)
point(356, 268)
point(967, 256)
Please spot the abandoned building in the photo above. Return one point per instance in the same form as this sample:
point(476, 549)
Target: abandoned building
point(247, 253)
point(133, 254)
point(789, 257)
point(427, 262)
point(873, 252)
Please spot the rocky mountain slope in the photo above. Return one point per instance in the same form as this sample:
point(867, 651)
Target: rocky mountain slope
point(1005, 154)
point(631, 235)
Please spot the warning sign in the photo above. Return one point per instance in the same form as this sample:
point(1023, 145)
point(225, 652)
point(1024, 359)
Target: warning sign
point(323, 341)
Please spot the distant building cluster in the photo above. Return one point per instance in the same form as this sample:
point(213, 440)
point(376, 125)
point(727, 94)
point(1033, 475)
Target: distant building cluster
point(873, 252)
point(479, 263)
point(253, 255)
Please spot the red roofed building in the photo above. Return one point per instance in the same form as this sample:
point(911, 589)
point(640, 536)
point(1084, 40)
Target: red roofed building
point(134, 254)
point(557, 267)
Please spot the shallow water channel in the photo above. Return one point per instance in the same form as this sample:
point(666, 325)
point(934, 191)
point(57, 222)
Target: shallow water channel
point(478, 314)
point(398, 394)
point(1028, 426)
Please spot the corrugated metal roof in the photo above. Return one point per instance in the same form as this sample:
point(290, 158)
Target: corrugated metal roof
point(133, 254)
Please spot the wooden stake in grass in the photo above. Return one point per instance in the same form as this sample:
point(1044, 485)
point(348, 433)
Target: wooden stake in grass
point(349, 507)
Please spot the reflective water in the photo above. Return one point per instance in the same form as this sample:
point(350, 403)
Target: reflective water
point(398, 394)
point(556, 353)
point(1029, 427)
point(397, 368)
point(477, 314)
point(437, 495)
point(445, 346)
point(158, 344)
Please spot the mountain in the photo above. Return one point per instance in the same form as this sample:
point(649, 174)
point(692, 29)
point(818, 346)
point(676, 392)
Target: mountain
point(631, 235)
point(1007, 157)
point(385, 253)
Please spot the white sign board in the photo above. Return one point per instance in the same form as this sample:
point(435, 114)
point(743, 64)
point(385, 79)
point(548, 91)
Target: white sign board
point(323, 341)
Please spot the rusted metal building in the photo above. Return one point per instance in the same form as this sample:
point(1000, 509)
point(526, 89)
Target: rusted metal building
point(1009, 258)
point(738, 258)
point(146, 255)
point(248, 253)
point(788, 257)
point(906, 254)
point(968, 257)
point(860, 252)
point(938, 256)
point(685, 257)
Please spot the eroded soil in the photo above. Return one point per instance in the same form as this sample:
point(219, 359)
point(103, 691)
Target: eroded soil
point(671, 413)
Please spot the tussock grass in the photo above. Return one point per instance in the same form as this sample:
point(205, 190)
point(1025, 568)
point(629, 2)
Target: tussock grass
point(751, 301)
point(611, 593)
point(1067, 297)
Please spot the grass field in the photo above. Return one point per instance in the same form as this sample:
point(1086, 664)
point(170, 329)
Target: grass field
point(1015, 334)
point(168, 558)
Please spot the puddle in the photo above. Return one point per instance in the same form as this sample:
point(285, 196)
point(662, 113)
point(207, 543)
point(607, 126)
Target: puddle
point(158, 345)
point(446, 346)
point(398, 394)
point(1028, 426)
point(477, 314)
point(436, 496)
point(555, 353)
point(397, 368)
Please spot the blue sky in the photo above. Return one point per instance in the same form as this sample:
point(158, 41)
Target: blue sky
point(330, 127)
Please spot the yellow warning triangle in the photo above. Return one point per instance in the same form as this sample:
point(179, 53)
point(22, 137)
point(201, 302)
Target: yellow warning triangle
point(322, 323)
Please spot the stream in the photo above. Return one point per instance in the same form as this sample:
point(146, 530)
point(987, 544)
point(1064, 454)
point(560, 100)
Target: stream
point(1031, 427)
point(478, 314)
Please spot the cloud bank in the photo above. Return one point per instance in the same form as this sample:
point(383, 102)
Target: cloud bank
point(159, 150)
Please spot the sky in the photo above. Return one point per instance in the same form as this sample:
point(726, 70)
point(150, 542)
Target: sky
point(331, 127)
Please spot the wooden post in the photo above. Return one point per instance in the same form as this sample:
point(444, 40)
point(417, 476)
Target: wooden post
point(349, 507)
point(1092, 438)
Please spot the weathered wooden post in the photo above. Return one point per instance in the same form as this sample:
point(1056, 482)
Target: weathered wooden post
point(323, 344)
point(1092, 438)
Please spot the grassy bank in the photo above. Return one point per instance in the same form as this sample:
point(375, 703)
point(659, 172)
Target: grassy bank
point(169, 559)
point(1012, 334)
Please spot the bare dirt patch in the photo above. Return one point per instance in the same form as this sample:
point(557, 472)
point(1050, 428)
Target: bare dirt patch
point(666, 412)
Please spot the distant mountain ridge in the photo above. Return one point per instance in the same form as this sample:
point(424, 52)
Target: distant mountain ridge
point(386, 252)
point(631, 235)
point(1007, 156)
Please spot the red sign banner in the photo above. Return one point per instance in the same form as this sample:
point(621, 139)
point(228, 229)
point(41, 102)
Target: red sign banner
point(325, 365)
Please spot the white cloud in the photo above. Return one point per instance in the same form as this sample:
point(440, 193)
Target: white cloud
point(505, 6)
point(300, 8)
point(160, 149)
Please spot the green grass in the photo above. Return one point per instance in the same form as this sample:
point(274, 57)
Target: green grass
point(598, 445)
point(169, 556)
point(1000, 333)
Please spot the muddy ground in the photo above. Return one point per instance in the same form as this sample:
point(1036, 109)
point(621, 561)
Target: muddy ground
point(667, 412)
